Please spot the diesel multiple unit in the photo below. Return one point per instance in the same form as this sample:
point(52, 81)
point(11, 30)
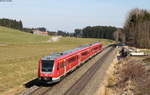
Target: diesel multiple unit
point(54, 67)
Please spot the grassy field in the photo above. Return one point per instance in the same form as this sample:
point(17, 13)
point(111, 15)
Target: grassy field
point(146, 51)
point(19, 54)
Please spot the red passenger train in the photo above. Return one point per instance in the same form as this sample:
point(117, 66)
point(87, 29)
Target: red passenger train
point(55, 66)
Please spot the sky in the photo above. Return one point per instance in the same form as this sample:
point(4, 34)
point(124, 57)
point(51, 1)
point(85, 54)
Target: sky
point(68, 15)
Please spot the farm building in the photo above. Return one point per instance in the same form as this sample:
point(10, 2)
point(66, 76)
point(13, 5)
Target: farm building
point(38, 32)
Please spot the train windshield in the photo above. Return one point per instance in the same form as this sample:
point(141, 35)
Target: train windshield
point(47, 65)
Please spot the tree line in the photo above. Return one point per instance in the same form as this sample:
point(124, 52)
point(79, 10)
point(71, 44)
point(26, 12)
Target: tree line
point(105, 32)
point(87, 32)
point(137, 28)
point(11, 23)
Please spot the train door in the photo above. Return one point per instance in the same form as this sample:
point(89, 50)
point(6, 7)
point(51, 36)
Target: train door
point(79, 58)
point(76, 61)
point(61, 68)
point(65, 66)
point(68, 66)
point(91, 52)
point(100, 46)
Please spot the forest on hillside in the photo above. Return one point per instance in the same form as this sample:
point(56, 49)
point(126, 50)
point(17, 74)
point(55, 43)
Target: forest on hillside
point(11, 23)
point(105, 32)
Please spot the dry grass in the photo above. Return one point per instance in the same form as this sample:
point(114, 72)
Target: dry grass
point(130, 76)
point(18, 59)
point(146, 51)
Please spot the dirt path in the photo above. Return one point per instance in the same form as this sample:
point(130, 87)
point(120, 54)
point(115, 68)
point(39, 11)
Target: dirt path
point(54, 39)
point(1, 44)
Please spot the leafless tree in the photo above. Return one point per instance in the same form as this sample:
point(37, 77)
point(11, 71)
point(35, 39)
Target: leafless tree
point(119, 35)
point(137, 28)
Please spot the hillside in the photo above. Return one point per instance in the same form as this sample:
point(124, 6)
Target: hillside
point(12, 36)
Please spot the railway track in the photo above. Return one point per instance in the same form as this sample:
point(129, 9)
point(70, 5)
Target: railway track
point(40, 91)
point(79, 85)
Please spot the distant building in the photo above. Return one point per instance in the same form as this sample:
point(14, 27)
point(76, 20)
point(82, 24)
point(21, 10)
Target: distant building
point(38, 32)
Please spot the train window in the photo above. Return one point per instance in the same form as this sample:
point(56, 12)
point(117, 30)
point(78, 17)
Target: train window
point(47, 65)
point(95, 48)
point(84, 53)
point(72, 60)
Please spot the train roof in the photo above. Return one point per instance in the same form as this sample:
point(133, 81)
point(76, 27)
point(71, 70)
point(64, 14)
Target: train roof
point(57, 55)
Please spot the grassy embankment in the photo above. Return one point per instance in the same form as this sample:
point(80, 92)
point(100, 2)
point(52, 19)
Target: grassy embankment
point(19, 54)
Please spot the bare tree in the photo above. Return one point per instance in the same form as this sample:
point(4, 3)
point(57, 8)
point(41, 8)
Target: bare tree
point(119, 35)
point(137, 28)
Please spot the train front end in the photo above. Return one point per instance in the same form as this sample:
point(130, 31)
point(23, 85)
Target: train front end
point(46, 71)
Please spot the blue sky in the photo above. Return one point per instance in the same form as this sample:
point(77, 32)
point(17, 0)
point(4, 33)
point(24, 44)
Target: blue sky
point(70, 14)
